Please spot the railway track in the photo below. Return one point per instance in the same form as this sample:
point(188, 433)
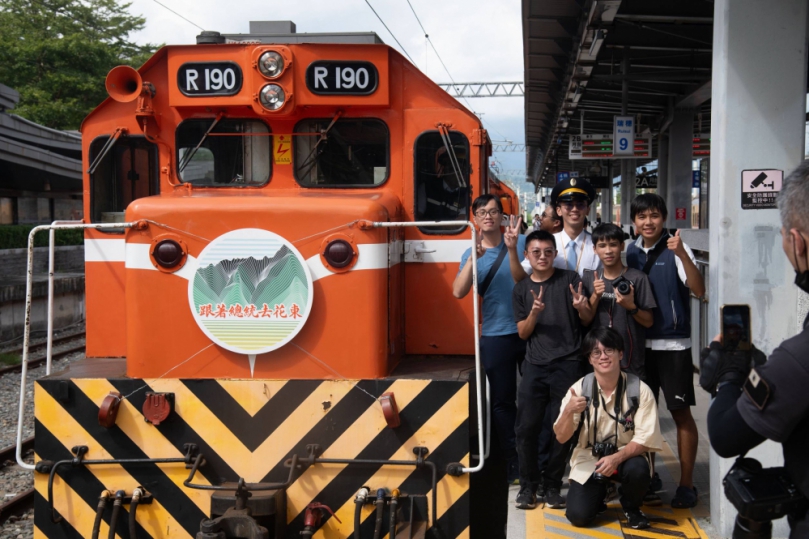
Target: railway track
point(24, 500)
point(40, 348)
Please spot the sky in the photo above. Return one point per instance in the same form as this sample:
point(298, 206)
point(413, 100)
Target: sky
point(477, 43)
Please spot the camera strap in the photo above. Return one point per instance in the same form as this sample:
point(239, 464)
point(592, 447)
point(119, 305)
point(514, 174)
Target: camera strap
point(484, 286)
point(652, 256)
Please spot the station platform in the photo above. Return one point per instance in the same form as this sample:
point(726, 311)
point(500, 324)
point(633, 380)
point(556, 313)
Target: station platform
point(665, 522)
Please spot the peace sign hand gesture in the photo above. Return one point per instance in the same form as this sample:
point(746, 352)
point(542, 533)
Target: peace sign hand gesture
point(512, 232)
point(538, 305)
point(579, 299)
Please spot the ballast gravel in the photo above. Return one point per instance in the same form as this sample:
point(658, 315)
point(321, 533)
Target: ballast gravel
point(13, 479)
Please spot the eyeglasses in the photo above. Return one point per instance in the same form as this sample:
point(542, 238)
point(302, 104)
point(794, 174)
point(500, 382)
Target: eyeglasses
point(480, 214)
point(548, 253)
point(578, 204)
point(595, 354)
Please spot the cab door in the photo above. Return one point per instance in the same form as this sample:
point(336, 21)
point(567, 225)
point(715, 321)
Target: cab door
point(436, 323)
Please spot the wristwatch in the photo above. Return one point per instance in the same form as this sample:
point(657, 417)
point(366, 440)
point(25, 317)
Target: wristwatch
point(634, 311)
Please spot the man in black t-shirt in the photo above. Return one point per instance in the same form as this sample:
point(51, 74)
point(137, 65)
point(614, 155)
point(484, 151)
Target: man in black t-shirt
point(629, 314)
point(550, 309)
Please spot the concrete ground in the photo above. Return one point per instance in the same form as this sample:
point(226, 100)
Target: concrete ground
point(666, 522)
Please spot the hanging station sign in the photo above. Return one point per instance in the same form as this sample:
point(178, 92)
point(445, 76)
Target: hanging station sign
point(601, 147)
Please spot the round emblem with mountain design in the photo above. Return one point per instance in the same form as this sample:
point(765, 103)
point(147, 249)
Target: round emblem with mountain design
point(252, 291)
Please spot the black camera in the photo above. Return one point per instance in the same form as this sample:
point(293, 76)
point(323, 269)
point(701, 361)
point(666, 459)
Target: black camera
point(622, 285)
point(761, 495)
point(603, 449)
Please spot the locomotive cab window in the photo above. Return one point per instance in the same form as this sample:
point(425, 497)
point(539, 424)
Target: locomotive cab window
point(223, 152)
point(122, 170)
point(342, 153)
point(442, 180)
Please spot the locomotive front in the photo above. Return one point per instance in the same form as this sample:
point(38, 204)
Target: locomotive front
point(273, 349)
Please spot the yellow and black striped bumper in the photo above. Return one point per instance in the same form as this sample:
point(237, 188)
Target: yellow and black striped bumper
point(248, 429)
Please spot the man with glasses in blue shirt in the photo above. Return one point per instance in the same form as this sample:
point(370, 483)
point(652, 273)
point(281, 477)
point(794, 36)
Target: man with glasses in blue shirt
point(501, 349)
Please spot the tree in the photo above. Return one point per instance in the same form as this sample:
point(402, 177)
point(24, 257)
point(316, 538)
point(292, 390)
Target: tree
point(56, 53)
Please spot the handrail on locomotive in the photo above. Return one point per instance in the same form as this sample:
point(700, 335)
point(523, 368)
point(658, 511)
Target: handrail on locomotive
point(483, 441)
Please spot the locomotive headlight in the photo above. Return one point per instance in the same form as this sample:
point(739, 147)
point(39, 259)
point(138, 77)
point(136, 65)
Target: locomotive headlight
point(272, 97)
point(338, 253)
point(168, 253)
point(271, 64)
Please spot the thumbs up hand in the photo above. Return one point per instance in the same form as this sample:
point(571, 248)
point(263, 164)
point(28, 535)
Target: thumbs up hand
point(576, 404)
point(675, 244)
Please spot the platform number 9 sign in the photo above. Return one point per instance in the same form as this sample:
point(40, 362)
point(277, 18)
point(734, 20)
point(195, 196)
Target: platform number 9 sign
point(623, 136)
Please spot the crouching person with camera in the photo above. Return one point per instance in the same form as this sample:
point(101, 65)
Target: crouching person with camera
point(612, 418)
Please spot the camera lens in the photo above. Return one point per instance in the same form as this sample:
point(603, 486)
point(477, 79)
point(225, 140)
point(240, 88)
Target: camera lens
point(623, 287)
point(751, 529)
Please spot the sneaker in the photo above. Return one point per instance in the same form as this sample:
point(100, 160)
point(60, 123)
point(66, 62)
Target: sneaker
point(554, 499)
point(636, 520)
point(526, 499)
point(656, 484)
point(541, 490)
point(684, 498)
point(602, 509)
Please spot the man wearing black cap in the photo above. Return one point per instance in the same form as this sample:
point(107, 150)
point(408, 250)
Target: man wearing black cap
point(571, 199)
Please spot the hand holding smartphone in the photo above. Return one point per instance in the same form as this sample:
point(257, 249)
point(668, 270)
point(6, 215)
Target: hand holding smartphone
point(735, 327)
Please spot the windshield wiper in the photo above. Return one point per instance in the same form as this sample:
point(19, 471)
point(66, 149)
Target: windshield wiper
point(106, 149)
point(190, 155)
point(324, 134)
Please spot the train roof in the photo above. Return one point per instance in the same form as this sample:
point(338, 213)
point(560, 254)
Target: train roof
point(285, 32)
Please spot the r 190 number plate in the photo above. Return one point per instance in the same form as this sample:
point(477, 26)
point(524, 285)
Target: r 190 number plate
point(200, 79)
point(342, 78)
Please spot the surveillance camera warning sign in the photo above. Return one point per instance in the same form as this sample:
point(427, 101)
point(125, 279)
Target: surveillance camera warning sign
point(760, 188)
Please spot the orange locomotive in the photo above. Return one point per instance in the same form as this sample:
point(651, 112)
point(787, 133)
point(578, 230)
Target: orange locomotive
point(261, 318)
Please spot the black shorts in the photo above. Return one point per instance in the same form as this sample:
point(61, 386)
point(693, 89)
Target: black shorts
point(673, 372)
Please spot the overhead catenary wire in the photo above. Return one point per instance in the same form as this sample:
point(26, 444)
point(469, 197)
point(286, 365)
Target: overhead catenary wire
point(388, 29)
point(182, 17)
point(430, 41)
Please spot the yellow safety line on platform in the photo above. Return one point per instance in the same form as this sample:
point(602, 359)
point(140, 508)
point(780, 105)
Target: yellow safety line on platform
point(686, 527)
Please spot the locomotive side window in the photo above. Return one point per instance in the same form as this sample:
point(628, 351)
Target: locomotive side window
point(127, 171)
point(215, 152)
point(442, 183)
point(342, 153)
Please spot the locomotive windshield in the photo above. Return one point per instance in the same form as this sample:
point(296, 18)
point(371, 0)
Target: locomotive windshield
point(345, 153)
point(223, 153)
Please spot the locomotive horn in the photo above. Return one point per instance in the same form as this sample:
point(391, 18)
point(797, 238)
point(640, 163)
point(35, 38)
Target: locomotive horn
point(124, 84)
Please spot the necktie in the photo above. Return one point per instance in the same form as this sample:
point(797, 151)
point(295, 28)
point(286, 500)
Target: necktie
point(571, 255)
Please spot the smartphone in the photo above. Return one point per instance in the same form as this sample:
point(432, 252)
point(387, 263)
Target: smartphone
point(736, 332)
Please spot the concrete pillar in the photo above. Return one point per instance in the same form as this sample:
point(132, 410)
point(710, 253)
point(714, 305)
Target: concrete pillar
point(757, 121)
point(628, 191)
point(662, 165)
point(679, 180)
point(606, 197)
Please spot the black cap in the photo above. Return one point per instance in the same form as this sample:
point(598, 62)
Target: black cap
point(571, 189)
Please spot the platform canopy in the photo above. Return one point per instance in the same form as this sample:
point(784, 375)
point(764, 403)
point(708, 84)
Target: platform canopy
point(574, 53)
